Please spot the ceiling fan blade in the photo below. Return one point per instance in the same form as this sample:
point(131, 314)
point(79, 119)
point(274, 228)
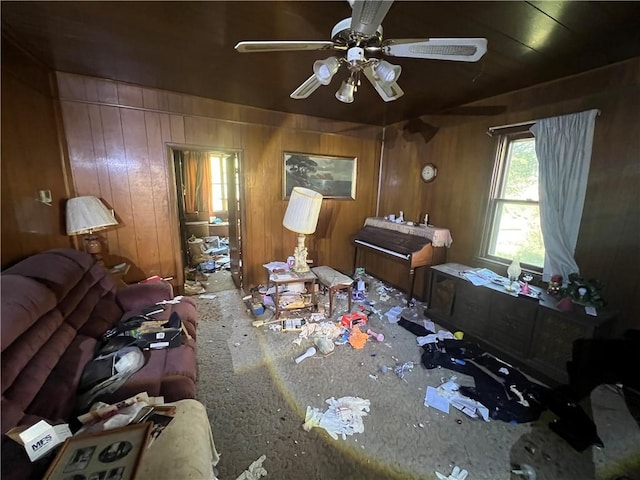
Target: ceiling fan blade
point(457, 49)
point(388, 91)
point(309, 86)
point(367, 15)
point(279, 46)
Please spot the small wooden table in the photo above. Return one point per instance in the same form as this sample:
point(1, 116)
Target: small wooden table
point(278, 280)
point(117, 274)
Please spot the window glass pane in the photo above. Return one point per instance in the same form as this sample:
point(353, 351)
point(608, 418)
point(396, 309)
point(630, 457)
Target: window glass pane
point(521, 177)
point(218, 185)
point(516, 232)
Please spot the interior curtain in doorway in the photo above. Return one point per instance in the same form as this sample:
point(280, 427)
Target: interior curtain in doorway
point(197, 181)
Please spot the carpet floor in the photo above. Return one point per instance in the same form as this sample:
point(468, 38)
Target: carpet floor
point(257, 396)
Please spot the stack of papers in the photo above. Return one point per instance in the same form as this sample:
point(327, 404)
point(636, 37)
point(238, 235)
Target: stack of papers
point(447, 394)
point(482, 276)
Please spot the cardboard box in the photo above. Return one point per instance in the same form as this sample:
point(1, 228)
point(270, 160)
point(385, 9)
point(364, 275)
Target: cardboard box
point(152, 335)
point(41, 438)
point(160, 338)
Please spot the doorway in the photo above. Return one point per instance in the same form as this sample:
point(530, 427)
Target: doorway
point(210, 215)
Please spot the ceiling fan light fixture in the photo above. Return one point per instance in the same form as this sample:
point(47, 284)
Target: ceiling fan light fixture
point(324, 70)
point(346, 90)
point(386, 72)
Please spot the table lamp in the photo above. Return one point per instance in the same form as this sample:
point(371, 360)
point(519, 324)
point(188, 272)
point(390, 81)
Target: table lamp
point(86, 215)
point(302, 217)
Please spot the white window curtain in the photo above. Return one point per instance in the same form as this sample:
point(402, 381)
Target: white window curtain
point(563, 147)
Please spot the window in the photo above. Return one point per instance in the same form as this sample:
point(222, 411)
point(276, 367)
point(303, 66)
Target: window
point(514, 214)
point(219, 183)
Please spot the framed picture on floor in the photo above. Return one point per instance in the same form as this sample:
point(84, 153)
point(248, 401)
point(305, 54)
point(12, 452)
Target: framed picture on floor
point(110, 455)
point(333, 177)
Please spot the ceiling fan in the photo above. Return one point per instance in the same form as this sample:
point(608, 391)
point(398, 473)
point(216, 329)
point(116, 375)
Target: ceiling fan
point(359, 36)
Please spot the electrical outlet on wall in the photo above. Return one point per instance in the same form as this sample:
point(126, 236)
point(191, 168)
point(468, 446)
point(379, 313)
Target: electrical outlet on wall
point(44, 196)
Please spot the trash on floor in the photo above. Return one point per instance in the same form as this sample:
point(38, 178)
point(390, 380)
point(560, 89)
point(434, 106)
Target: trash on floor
point(324, 345)
point(311, 351)
point(193, 288)
point(291, 324)
point(378, 336)
point(456, 474)
point(402, 369)
point(343, 417)
point(434, 337)
point(255, 470)
point(327, 330)
point(448, 394)
point(393, 315)
point(207, 296)
point(353, 319)
point(525, 471)
point(357, 339)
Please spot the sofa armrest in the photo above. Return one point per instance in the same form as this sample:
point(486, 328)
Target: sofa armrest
point(140, 295)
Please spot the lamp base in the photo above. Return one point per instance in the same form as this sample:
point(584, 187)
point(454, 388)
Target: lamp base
point(93, 245)
point(300, 256)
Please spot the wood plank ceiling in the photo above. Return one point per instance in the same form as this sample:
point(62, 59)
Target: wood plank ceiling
point(188, 47)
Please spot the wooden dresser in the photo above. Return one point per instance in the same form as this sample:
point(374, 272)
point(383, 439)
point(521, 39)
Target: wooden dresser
point(531, 334)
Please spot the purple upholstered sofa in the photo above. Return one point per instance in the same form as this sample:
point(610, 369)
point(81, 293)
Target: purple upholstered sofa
point(55, 307)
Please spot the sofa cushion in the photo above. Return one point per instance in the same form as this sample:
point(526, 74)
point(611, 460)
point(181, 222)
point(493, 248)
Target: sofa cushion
point(59, 269)
point(24, 300)
point(63, 381)
point(169, 372)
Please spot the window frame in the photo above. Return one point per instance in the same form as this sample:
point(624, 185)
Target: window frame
point(221, 160)
point(495, 198)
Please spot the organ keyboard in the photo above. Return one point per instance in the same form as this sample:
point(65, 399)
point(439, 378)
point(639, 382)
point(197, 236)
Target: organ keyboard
point(411, 246)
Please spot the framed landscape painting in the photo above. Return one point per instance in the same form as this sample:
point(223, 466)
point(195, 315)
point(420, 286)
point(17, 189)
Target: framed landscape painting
point(333, 177)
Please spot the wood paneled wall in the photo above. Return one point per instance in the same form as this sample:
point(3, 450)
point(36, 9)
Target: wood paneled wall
point(609, 242)
point(118, 137)
point(32, 159)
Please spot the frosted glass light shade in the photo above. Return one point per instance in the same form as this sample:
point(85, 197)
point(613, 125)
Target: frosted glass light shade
point(346, 91)
point(87, 215)
point(386, 72)
point(303, 210)
point(326, 69)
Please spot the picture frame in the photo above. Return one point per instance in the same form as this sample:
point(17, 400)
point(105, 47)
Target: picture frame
point(333, 177)
point(109, 455)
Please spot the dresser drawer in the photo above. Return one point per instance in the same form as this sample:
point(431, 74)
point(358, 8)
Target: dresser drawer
point(510, 325)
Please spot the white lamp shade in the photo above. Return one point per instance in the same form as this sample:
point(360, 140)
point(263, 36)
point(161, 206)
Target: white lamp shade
point(87, 214)
point(303, 210)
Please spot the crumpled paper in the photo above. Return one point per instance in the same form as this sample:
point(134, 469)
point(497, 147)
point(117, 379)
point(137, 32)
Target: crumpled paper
point(325, 329)
point(456, 474)
point(343, 417)
point(255, 470)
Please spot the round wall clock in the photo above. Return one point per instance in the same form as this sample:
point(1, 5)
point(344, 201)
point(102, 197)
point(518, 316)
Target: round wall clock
point(429, 172)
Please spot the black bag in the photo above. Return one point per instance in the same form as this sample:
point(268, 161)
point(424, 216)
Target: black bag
point(96, 371)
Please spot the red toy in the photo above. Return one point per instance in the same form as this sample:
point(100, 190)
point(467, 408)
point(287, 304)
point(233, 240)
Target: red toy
point(351, 319)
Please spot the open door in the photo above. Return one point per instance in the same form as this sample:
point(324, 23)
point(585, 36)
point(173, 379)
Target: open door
point(209, 210)
point(235, 218)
